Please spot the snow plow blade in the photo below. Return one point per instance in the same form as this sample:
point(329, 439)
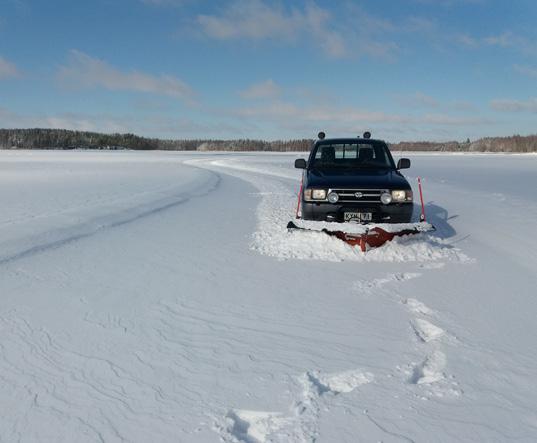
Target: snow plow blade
point(371, 238)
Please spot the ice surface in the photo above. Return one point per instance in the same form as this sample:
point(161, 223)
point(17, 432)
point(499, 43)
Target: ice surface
point(157, 296)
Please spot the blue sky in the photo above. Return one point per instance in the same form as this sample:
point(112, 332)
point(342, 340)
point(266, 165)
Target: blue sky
point(405, 69)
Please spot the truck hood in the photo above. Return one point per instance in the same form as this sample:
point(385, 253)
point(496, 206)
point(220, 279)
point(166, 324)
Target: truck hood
point(360, 179)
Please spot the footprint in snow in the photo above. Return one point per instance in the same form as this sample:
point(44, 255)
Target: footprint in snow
point(300, 423)
point(255, 426)
point(430, 370)
point(341, 382)
point(430, 374)
point(369, 285)
point(417, 307)
point(426, 331)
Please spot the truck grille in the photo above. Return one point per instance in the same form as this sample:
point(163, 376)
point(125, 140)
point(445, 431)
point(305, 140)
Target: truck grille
point(358, 195)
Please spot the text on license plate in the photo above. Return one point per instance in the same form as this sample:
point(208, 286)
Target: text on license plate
point(357, 216)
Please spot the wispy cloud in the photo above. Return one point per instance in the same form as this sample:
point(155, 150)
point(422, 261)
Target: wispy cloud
point(8, 69)
point(163, 2)
point(467, 41)
point(263, 90)
point(84, 71)
point(281, 112)
point(528, 71)
point(505, 105)
point(417, 100)
point(451, 3)
point(158, 125)
point(420, 100)
point(504, 40)
point(256, 20)
point(455, 120)
point(419, 24)
point(289, 119)
point(76, 122)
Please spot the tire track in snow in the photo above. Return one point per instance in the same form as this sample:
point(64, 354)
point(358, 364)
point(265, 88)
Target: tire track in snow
point(60, 237)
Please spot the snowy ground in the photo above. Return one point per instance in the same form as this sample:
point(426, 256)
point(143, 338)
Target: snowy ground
point(158, 297)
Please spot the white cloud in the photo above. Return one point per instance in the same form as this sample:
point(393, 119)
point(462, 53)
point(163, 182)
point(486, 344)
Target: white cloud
point(419, 24)
point(85, 71)
point(504, 40)
point(276, 120)
point(418, 100)
point(257, 20)
point(467, 41)
point(526, 70)
point(285, 119)
point(76, 122)
point(451, 120)
point(282, 112)
point(263, 90)
point(157, 125)
point(503, 105)
point(163, 2)
point(7, 69)
point(450, 3)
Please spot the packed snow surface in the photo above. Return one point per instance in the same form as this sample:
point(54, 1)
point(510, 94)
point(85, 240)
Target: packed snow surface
point(158, 297)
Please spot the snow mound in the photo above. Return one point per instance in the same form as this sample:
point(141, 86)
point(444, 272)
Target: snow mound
point(282, 244)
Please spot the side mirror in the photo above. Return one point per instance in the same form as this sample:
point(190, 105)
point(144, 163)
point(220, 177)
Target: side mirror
point(403, 163)
point(300, 163)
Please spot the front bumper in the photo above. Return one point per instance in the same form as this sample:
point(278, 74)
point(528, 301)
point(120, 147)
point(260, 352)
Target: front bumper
point(392, 213)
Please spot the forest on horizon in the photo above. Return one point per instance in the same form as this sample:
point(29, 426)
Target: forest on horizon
point(63, 139)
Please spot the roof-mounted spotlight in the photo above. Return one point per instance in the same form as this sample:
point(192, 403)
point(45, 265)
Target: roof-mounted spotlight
point(367, 134)
point(321, 135)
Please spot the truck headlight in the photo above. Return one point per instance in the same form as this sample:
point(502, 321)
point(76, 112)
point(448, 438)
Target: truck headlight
point(318, 194)
point(386, 198)
point(314, 194)
point(401, 196)
point(333, 197)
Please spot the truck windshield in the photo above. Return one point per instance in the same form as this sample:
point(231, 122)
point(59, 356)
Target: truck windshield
point(354, 155)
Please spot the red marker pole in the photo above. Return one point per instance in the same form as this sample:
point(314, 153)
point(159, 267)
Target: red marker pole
point(422, 216)
point(299, 197)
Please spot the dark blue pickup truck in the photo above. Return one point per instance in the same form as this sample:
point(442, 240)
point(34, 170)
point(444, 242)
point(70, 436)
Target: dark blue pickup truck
point(354, 180)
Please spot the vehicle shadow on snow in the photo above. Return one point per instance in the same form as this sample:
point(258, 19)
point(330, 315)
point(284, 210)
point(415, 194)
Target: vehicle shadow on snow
point(439, 217)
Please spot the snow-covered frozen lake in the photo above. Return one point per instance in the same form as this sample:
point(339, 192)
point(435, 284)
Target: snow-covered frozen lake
point(157, 297)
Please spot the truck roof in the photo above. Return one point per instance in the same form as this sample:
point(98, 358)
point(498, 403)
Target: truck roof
point(348, 140)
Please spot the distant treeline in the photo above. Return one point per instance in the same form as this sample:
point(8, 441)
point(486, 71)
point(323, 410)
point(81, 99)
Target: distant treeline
point(64, 139)
point(515, 143)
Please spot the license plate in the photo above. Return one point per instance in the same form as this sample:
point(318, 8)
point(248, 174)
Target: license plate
point(358, 216)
